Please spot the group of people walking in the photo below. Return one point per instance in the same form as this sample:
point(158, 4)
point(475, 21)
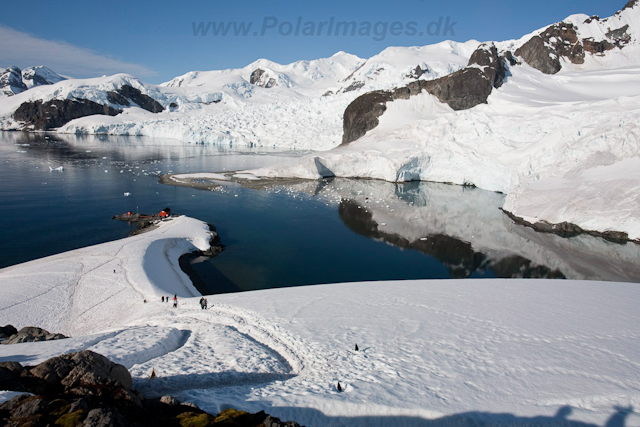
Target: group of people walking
point(175, 300)
point(203, 301)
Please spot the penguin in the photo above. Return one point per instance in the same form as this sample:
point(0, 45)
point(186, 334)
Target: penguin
point(153, 373)
point(339, 386)
point(357, 349)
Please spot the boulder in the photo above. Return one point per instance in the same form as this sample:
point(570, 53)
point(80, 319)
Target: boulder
point(86, 370)
point(86, 389)
point(7, 331)
point(105, 417)
point(32, 334)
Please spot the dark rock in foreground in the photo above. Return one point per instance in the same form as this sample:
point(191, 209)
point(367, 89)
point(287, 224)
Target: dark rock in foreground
point(31, 334)
point(87, 389)
point(7, 331)
point(40, 115)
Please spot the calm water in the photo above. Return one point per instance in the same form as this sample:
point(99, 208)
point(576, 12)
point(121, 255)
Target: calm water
point(304, 233)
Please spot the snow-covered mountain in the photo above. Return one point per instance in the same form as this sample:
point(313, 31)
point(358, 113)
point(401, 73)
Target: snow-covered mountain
point(11, 82)
point(497, 115)
point(40, 75)
point(14, 81)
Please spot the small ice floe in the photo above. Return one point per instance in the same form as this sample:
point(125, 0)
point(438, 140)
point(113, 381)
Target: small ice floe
point(104, 158)
point(88, 151)
point(384, 223)
point(106, 171)
point(21, 151)
point(58, 169)
point(423, 238)
point(127, 194)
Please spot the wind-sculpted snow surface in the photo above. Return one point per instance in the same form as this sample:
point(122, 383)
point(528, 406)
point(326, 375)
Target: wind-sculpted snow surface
point(458, 352)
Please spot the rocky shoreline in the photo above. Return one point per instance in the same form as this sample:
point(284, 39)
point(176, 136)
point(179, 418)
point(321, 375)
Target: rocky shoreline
point(567, 229)
point(87, 389)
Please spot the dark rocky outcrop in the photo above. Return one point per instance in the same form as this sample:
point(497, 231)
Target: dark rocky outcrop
point(568, 229)
point(543, 51)
point(630, 4)
point(32, 334)
point(86, 389)
point(461, 90)
point(7, 331)
point(259, 77)
point(416, 72)
point(353, 86)
point(40, 115)
point(362, 114)
point(11, 81)
point(132, 94)
point(116, 98)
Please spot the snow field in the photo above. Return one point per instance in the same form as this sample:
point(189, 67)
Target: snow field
point(428, 349)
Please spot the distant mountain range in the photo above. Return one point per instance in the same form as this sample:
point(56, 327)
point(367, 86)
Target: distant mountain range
point(14, 81)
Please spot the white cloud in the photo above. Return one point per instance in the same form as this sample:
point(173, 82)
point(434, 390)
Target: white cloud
point(23, 50)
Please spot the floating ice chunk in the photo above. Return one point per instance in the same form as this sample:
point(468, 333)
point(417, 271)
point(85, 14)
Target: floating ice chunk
point(127, 194)
point(59, 168)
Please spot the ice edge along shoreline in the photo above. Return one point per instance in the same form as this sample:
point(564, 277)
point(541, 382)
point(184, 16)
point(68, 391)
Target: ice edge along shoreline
point(562, 229)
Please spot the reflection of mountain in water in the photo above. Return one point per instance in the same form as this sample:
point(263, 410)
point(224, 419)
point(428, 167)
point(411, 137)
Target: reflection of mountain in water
point(465, 229)
point(457, 255)
point(62, 148)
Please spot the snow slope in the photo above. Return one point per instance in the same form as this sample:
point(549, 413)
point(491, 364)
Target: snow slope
point(224, 107)
point(512, 352)
point(103, 285)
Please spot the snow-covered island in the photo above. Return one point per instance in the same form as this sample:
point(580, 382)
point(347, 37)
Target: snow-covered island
point(550, 119)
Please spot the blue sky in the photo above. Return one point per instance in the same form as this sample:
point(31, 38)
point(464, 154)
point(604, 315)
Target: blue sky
point(154, 39)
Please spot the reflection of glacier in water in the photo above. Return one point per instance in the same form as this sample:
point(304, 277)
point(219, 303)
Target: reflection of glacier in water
point(465, 229)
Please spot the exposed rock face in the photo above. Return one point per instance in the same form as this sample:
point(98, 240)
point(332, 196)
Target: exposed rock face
point(86, 389)
point(11, 82)
point(31, 334)
point(55, 113)
point(362, 114)
point(461, 90)
point(416, 72)
point(7, 331)
point(127, 92)
point(543, 52)
point(39, 76)
point(353, 86)
point(261, 78)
